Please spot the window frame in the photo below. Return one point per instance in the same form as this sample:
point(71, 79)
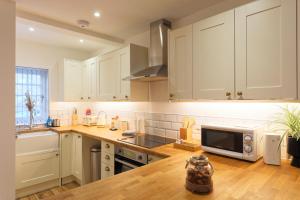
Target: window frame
point(45, 85)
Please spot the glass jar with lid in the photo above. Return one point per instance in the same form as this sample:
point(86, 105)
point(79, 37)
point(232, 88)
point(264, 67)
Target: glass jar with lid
point(199, 174)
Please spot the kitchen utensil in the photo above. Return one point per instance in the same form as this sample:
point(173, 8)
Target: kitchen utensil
point(56, 122)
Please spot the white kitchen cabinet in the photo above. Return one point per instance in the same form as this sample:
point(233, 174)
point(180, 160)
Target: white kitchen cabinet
point(66, 146)
point(213, 57)
point(181, 63)
point(36, 168)
point(70, 80)
point(115, 67)
point(265, 40)
point(107, 159)
point(77, 156)
point(108, 74)
point(89, 80)
point(37, 160)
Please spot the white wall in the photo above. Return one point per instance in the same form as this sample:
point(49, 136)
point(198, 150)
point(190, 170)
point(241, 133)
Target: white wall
point(7, 102)
point(32, 54)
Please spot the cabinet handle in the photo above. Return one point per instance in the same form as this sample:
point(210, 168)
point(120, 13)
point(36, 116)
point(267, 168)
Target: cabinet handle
point(107, 157)
point(228, 95)
point(240, 95)
point(107, 169)
point(107, 146)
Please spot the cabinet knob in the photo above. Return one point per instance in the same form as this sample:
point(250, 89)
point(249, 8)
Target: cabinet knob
point(107, 146)
point(107, 157)
point(171, 96)
point(79, 136)
point(228, 95)
point(57, 154)
point(89, 97)
point(107, 169)
point(81, 98)
point(114, 97)
point(150, 158)
point(66, 136)
point(240, 95)
point(126, 97)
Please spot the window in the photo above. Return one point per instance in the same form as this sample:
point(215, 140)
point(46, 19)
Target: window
point(35, 82)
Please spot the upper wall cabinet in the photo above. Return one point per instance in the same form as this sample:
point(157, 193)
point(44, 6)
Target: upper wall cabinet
point(108, 74)
point(70, 80)
point(266, 50)
point(213, 57)
point(89, 86)
point(115, 67)
point(181, 63)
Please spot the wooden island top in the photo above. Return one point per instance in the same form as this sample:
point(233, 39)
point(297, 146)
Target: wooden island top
point(165, 179)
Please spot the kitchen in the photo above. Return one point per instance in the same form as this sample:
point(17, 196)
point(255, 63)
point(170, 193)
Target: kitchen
point(115, 107)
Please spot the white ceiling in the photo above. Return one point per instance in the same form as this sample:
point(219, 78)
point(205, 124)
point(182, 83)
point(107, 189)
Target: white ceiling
point(120, 18)
point(50, 35)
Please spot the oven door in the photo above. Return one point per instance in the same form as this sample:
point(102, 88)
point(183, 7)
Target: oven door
point(123, 164)
point(222, 139)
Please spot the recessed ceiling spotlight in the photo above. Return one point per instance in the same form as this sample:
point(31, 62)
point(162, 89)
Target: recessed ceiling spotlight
point(31, 29)
point(97, 14)
point(81, 41)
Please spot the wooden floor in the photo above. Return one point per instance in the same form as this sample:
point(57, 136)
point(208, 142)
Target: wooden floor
point(51, 192)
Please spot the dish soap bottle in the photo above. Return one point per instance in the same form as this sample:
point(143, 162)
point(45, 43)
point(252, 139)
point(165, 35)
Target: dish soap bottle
point(74, 117)
point(49, 122)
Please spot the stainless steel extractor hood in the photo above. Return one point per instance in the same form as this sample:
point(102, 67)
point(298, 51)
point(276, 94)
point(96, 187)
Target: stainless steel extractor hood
point(158, 54)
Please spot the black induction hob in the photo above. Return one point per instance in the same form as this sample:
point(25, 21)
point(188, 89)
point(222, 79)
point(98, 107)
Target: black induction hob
point(147, 141)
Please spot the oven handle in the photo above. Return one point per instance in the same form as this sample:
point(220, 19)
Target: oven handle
point(126, 163)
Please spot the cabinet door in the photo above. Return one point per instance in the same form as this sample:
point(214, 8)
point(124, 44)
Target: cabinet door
point(66, 155)
point(109, 79)
point(77, 156)
point(213, 56)
point(72, 80)
point(36, 168)
point(266, 50)
point(90, 79)
point(124, 71)
point(181, 63)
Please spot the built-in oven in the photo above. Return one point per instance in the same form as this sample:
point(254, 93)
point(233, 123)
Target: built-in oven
point(238, 142)
point(128, 159)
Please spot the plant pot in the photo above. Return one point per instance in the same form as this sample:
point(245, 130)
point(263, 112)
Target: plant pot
point(293, 149)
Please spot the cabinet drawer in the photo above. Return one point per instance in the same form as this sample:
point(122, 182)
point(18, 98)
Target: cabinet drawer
point(107, 147)
point(107, 158)
point(106, 170)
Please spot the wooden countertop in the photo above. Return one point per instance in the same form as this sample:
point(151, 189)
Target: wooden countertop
point(165, 179)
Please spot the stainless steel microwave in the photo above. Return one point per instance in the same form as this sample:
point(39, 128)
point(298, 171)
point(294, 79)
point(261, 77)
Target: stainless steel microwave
point(237, 142)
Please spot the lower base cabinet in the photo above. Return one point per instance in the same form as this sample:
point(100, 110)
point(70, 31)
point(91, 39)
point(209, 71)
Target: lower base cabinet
point(107, 159)
point(71, 156)
point(32, 169)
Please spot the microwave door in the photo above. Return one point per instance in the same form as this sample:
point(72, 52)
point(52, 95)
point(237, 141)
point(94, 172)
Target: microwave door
point(225, 140)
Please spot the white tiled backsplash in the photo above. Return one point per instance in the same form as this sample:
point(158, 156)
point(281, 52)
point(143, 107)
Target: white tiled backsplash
point(156, 123)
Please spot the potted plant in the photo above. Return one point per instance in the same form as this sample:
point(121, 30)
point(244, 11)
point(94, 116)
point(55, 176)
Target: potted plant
point(291, 122)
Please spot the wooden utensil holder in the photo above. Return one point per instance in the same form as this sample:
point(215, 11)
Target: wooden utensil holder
point(186, 134)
